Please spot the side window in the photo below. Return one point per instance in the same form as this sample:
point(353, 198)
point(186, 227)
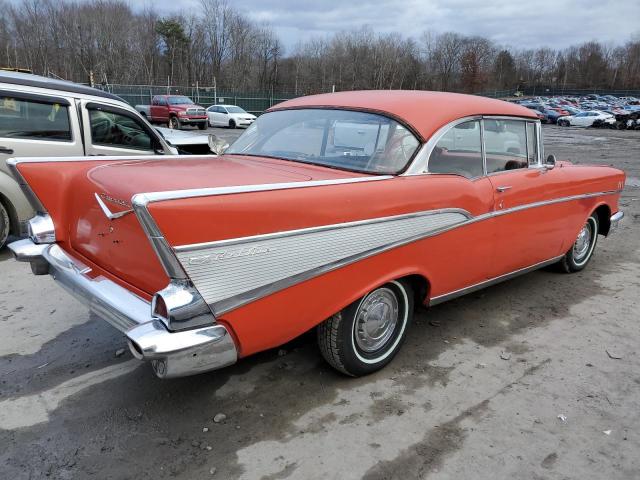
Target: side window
point(20, 118)
point(161, 101)
point(459, 151)
point(115, 130)
point(532, 144)
point(505, 145)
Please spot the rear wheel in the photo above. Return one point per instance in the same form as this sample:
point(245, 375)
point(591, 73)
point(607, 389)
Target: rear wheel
point(366, 335)
point(5, 225)
point(582, 250)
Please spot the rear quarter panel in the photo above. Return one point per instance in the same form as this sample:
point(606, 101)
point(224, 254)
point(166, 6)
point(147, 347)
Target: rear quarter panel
point(447, 260)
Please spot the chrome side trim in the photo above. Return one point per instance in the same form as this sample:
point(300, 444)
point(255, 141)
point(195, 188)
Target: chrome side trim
point(198, 258)
point(232, 273)
point(267, 187)
point(301, 231)
point(527, 206)
point(479, 286)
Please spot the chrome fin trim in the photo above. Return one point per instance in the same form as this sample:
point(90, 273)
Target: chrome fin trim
point(232, 273)
point(33, 199)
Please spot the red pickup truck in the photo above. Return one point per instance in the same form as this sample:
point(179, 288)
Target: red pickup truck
point(175, 111)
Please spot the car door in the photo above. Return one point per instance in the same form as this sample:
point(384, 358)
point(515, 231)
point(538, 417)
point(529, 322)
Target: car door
point(111, 130)
point(159, 109)
point(223, 116)
point(37, 125)
point(219, 115)
point(581, 119)
point(526, 220)
point(457, 157)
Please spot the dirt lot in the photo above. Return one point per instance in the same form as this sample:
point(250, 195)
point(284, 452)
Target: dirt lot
point(475, 393)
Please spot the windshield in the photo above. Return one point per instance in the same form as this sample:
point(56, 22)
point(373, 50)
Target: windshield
point(357, 141)
point(180, 101)
point(235, 110)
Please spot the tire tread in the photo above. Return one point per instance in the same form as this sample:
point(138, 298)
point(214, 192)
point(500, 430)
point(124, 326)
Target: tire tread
point(328, 341)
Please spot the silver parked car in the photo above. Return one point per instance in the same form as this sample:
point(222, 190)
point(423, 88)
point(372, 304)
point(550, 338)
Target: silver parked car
point(43, 117)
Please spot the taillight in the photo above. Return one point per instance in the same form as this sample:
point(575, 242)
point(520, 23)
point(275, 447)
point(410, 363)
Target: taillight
point(159, 307)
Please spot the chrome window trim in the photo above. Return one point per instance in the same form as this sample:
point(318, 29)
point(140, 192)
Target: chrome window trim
point(420, 164)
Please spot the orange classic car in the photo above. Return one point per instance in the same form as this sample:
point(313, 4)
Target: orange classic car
point(339, 212)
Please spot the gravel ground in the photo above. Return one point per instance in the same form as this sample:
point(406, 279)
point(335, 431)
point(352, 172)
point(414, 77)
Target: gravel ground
point(535, 378)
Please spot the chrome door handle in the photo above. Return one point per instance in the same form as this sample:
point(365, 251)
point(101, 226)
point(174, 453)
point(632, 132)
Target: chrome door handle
point(6, 150)
point(503, 188)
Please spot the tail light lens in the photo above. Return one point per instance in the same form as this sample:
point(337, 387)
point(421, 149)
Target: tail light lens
point(159, 307)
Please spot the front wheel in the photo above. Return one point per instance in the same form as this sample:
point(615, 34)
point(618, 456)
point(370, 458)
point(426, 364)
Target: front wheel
point(174, 123)
point(366, 335)
point(232, 124)
point(582, 250)
point(5, 225)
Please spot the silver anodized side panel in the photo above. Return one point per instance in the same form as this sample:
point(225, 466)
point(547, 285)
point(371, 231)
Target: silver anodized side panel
point(221, 271)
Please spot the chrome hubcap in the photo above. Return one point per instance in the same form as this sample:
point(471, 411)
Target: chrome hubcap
point(581, 247)
point(376, 320)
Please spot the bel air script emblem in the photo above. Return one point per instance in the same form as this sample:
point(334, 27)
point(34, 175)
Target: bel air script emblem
point(228, 254)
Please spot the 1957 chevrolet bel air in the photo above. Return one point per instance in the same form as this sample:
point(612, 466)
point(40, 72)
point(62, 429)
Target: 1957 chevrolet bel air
point(339, 212)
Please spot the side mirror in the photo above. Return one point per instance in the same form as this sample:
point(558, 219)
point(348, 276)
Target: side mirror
point(217, 145)
point(551, 162)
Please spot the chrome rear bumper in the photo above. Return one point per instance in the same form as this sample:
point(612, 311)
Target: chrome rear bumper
point(172, 354)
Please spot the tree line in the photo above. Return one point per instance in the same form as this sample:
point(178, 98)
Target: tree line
point(106, 41)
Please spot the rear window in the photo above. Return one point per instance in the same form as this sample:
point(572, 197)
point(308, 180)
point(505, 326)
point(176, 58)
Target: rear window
point(32, 119)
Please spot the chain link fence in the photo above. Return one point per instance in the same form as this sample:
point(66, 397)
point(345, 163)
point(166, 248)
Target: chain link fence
point(253, 102)
point(257, 102)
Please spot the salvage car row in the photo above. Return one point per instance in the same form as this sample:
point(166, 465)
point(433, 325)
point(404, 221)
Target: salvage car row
point(603, 111)
point(177, 111)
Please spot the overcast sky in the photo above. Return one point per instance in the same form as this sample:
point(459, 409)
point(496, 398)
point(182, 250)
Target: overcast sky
point(532, 23)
